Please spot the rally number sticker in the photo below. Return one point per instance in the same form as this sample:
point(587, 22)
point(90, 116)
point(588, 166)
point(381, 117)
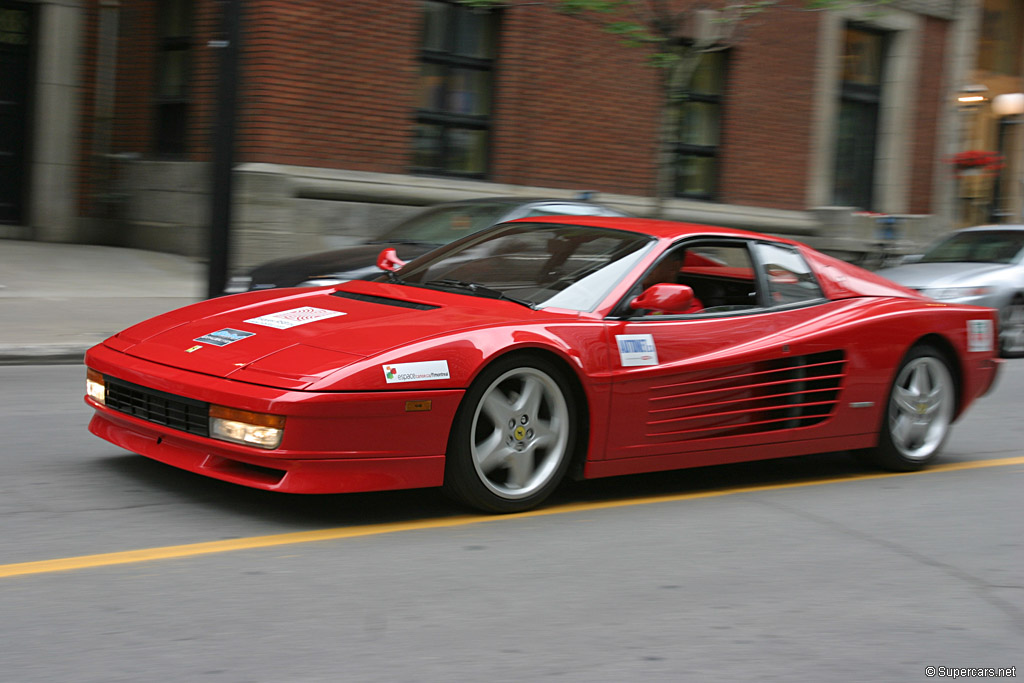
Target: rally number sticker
point(294, 317)
point(979, 335)
point(636, 349)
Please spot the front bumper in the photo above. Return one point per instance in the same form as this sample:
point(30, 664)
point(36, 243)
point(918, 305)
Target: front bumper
point(334, 442)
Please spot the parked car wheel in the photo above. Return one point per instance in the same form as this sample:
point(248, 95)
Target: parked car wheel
point(922, 402)
point(513, 437)
point(1011, 328)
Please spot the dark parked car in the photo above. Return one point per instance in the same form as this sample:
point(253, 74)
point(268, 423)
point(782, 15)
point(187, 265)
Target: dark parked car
point(429, 229)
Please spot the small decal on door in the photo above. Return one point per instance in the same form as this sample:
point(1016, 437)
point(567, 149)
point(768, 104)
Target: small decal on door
point(636, 349)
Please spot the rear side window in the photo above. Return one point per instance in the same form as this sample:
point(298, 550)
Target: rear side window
point(787, 276)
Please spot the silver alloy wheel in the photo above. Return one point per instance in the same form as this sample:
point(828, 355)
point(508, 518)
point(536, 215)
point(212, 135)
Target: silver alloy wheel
point(1011, 328)
point(520, 433)
point(921, 407)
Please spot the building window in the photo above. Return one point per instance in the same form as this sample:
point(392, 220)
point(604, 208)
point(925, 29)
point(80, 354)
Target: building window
point(1001, 47)
point(698, 129)
point(860, 102)
point(174, 36)
point(453, 114)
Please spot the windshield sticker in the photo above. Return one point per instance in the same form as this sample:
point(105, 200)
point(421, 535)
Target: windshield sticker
point(222, 337)
point(416, 372)
point(636, 349)
point(979, 335)
point(294, 317)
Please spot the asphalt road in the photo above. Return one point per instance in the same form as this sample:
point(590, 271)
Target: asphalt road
point(806, 569)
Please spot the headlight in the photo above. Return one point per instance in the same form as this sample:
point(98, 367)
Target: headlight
point(95, 387)
point(245, 427)
point(238, 283)
point(942, 293)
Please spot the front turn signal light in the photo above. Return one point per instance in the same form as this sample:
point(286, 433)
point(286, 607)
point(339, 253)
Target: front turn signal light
point(246, 427)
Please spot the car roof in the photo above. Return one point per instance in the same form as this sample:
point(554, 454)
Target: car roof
point(662, 229)
point(516, 200)
point(993, 227)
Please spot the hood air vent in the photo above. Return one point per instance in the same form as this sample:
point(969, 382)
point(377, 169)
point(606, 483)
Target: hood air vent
point(385, 301)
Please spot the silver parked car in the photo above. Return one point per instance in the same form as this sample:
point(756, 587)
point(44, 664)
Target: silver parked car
point(983, 265)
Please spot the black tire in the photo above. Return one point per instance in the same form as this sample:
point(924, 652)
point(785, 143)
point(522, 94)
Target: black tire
point(918, 414)
point(513, 437)
point(1011, 328)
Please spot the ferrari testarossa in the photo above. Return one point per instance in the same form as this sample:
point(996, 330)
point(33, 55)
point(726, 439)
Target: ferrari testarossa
point(542, 348)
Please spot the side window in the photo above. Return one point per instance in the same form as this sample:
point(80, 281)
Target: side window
point(786, 274)
point(721, 275)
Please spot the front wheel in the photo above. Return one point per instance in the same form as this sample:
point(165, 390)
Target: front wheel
point(513, 436)
point(922, 401)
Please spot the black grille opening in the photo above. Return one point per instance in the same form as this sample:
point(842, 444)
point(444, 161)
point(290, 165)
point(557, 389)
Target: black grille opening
point(176, 412)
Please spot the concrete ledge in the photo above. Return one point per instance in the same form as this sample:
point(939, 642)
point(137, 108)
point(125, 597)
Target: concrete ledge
point(43, 354)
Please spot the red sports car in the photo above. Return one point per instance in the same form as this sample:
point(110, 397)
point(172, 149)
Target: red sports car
point(546, 347)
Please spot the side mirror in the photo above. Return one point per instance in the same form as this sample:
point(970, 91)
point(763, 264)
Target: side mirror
point(388, 260)
point(664, 298)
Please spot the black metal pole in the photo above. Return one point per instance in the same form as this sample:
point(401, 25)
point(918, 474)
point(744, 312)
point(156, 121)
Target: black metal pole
point(224, 149)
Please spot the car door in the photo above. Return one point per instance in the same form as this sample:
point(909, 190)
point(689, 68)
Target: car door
point(733, 375)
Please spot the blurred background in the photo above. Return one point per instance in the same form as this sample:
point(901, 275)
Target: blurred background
point(233, 133)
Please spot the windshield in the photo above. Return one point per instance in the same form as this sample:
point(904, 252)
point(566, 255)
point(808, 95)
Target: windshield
point(988, 246)
point(542, 265)
point(445, 224)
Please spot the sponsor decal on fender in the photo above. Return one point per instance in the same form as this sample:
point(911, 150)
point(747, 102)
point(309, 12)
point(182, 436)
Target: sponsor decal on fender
point(636, 349)
point(416, 372)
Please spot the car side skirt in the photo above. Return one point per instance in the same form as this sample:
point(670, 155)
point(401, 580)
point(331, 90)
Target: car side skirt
point(677, 461)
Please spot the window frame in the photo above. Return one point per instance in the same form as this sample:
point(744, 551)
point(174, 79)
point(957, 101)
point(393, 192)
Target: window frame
point(858, 175)
point(448, 59)
point(681, 150)
point(170, 140)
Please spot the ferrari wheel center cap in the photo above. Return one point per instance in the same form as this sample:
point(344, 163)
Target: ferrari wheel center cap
point(519, 433)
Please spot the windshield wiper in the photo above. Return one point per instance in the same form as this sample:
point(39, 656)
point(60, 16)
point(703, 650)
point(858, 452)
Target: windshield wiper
point(479, 289)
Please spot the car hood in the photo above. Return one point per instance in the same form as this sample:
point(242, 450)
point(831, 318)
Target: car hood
point(293, 338)
point(934, 275)
point(350, 263)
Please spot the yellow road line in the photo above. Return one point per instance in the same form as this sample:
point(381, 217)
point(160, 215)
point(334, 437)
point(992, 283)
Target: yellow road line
point(210, 547)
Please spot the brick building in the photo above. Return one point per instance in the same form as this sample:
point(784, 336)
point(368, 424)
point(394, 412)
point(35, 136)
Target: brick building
point(352, 114)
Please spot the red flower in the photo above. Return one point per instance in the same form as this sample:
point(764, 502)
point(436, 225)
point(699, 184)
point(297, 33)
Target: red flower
point(975, 159)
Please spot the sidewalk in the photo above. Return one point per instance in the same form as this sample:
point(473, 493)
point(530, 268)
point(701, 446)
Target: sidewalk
point(57, 300)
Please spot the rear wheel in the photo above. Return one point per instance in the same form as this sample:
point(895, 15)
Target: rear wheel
point(1011, 328)
point(513, 436)
point(922, 401)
